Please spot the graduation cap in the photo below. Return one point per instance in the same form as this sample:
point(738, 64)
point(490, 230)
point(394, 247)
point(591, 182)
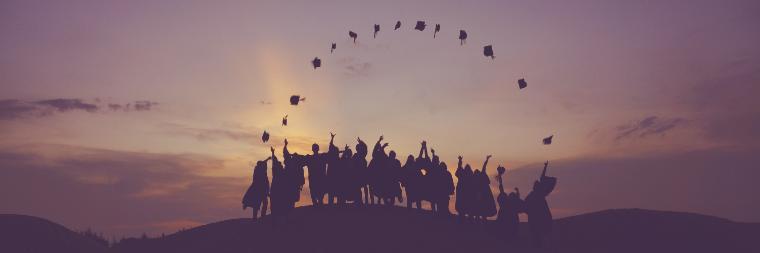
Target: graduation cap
point(548, 140)
point(265, 136)
point(285, 120)
point(316, 62)
point(420, 26)
point(462, 37)
point(353, 35)
point(398, 25)
point(437, 29)
point(488, 51)
point(332, 48)
point(295, 99)
point(377, 29)
point(522, 83)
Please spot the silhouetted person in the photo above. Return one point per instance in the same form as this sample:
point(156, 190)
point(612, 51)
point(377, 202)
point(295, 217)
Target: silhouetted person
point(444, 188)
point(345, 167)
point(510, 206)
point(463, 176)
point(411, 176)
point(377, 172)
point(294, 175)
point(486, 205)
point(333, 171)
point(359, 172)
point(316, 163)
point(257, 196)
point(423, 164)
point(539, 215)
point(279, 191)
point(393, 178)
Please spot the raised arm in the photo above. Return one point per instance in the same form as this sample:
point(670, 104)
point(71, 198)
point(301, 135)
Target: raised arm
point(285, 152)
point(459, 164)
point(485, 164)
point(274, 158)
point(377, 148)
point(543, 174)
point(424, 145)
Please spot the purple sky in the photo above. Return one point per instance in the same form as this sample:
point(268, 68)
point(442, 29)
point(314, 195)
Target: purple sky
point(142, 116)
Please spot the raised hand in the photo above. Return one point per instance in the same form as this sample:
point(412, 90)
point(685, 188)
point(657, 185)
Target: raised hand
point(385, 145)
point(381, 138)
point(460, 158)
point(271, 149)
point(286, 141)
point(332, 135)
point(432, 150)
point(488, 157)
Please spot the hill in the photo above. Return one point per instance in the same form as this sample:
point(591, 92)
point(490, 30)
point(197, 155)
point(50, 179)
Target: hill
point(22, 233)
point(395, 229)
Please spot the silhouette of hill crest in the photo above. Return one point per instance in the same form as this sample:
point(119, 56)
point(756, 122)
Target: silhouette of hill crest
point(396, 229)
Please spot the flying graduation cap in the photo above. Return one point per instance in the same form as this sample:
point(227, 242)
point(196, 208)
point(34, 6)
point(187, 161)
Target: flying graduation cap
point(437, 29)
point(353, 35)
point(462, 37)
point(398, 25)
point(548, 140)
point(420, 26)
point(295, 99)
point(285, 120)
point(377, 29)
point(265, 136)
point(316, 62)
point(332, 48)
point(488, 51)
point(522, 83)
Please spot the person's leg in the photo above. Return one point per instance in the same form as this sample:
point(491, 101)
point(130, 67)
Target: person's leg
point(264, 205)
point(255, 213)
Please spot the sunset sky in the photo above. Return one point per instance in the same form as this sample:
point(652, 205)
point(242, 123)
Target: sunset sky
point(143, 116)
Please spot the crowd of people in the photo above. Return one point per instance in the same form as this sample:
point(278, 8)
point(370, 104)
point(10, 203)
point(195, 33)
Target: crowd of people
point(345, 177)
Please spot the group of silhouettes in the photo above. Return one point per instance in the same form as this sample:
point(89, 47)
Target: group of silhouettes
point(346, 178)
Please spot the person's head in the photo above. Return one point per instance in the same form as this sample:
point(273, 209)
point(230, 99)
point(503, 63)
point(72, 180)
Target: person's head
point(410, 159)
point(361, 149)
point(392, 155)
point(467, 168)
point(443, 166)
point(347, 152)
point(315, 148)
point(261, 167)
point(435, 160)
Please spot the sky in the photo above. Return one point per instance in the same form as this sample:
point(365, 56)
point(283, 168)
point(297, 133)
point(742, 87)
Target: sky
point(144, 116)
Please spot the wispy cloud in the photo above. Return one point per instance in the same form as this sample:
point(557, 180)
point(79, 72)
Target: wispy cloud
point(11, 109)
point(651, 125)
